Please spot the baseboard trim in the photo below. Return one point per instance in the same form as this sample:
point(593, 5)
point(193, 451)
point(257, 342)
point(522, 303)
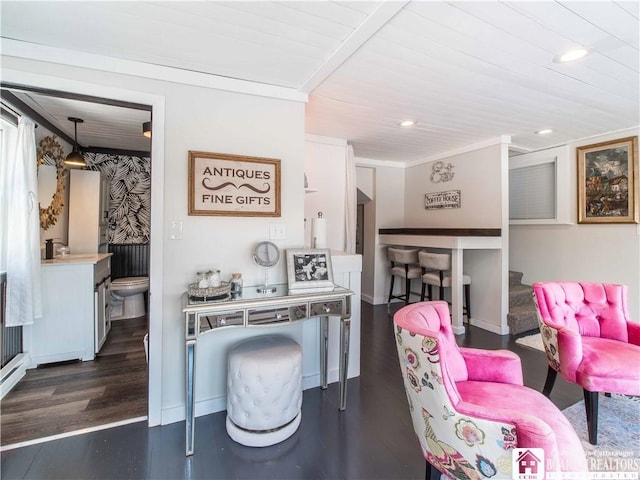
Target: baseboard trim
point(97, 428)
point(367, 298)
point(491, 327)
point(13, 372)
point(218, 404)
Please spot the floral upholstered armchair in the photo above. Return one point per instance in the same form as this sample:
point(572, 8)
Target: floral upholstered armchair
point(469, 408)
point(590, 339)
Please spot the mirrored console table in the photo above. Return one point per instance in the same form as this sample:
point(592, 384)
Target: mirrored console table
point(253, 309)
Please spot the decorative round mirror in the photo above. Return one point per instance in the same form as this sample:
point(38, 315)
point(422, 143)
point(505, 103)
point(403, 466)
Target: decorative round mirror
point(266, 254)
point(51, 192)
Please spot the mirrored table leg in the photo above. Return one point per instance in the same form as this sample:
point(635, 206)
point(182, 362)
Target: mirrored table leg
point(324, 348)
point(190, 419)
point(345, 329)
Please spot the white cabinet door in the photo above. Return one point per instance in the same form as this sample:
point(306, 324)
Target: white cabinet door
point(104, 200)
point(65, 331)
point(103, 323)
point(88, 207)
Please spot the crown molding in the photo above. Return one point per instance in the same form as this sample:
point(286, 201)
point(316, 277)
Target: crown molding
point(371, 162)
point(44, 53)
point(501, 140)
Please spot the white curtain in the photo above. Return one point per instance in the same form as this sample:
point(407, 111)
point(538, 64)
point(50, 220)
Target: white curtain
point(22, 221)
point(350, 202)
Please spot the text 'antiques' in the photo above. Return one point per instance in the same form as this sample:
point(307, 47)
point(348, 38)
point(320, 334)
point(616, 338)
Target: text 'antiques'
point(233, 185)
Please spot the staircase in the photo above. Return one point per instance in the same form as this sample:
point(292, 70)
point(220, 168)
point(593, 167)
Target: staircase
point(522, 314)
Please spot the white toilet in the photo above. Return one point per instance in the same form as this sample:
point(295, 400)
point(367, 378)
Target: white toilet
point(127, 297)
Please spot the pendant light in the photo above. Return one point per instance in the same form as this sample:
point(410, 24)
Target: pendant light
point(146, 129)
point(75, 158)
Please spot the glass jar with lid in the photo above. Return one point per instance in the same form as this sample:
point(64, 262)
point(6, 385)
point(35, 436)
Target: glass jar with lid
point(214, 278)
point(202, 279)
point(236, 283)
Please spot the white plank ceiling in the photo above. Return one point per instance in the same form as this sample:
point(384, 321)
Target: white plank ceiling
point(465, 71)
point(105, 126)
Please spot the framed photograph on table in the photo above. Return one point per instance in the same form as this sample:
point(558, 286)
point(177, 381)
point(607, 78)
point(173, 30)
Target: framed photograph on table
point(309, 269)
point(608, 182)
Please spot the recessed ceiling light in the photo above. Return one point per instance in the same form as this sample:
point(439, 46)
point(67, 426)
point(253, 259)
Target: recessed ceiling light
point(407, 123)
point(544, 131)
point(571, 55)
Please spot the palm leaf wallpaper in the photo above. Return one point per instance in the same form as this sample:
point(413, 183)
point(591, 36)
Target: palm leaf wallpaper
point(129, 194)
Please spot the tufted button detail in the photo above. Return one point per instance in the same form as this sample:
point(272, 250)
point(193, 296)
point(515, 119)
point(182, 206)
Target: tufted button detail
point(264, 393)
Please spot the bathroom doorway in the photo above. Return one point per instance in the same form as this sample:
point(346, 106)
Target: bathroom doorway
point(121, 362)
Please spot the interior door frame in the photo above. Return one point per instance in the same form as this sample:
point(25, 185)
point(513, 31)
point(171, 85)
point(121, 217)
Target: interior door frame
point(156, 263)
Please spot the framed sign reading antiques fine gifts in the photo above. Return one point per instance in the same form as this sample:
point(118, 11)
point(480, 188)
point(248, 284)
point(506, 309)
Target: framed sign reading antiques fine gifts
point(608, 182)
point(233, 185)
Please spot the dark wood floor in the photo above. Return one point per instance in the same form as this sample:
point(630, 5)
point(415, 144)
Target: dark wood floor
point(372, 439)
point(71, 396)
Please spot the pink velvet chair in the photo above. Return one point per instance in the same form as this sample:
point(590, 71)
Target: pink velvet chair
point(590, 339)
point(469, 407)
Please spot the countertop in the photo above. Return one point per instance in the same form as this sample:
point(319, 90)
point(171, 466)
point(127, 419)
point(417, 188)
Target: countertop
point(76, 258)
point(453, 232)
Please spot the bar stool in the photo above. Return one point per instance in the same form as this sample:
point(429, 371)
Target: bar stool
point(436, 270)
point(404, 264)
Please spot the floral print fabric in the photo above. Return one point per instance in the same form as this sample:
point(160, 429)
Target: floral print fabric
point(464, 448)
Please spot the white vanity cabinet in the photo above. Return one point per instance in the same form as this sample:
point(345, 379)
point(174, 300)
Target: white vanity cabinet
point(75, 319)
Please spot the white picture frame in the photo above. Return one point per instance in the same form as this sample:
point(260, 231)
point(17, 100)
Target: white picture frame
point(309, 269)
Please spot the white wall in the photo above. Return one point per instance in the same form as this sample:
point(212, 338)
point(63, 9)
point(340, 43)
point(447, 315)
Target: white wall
point(476, 175)
point(598, 253)
point(364, 180)
point(325, 166)
point(216, 121)
point(481, 175)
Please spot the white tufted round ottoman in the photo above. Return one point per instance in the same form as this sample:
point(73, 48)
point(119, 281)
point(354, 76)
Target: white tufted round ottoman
point(264, 390)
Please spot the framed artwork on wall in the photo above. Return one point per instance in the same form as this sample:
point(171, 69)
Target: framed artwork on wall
point(309, 268)
point(608, 182)
point(233, 185)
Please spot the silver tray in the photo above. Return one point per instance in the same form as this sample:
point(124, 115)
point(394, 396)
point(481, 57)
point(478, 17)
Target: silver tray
point(209, 293)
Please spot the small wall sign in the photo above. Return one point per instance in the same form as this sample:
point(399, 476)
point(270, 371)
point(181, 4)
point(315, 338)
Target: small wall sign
point(233, 185)
point(441, 172)
point(438, 200)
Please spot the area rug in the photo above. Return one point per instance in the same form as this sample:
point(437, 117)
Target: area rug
point(618, 448)
point(532, 341)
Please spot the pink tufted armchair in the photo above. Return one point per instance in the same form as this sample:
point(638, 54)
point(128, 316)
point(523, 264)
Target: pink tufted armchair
point(469, 407)
point(590, 339)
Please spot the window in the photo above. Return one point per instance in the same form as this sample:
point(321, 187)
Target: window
point(539, 187)
point(532, 192)
point(8, 136)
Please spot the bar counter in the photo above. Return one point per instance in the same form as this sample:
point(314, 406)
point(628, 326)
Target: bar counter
point(455, 239)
